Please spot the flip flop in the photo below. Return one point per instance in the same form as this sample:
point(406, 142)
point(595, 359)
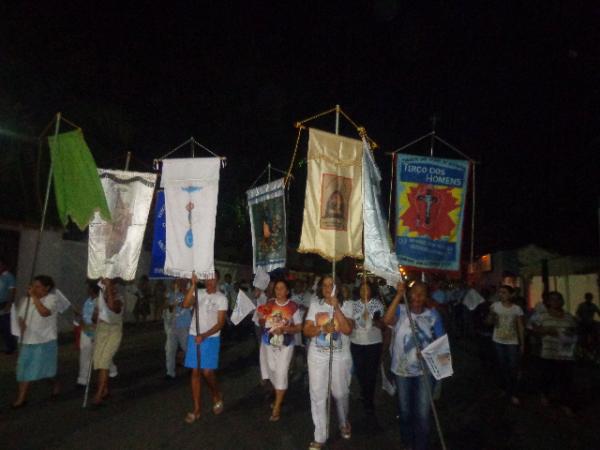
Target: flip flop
point(274, 416)
point(346, 432)
point(218, 408)
point(191, 418)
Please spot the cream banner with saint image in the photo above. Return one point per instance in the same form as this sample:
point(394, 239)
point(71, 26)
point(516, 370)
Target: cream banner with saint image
point(333, 224)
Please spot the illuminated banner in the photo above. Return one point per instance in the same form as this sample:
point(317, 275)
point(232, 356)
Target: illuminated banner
point(430, 199)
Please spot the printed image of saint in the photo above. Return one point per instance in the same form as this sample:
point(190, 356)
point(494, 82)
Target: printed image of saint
point(268, 217)
point(324, 340)
point(117, 230)
point(335, 200)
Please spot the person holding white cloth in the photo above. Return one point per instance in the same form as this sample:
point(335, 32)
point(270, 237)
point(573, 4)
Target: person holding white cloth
point(328, 324)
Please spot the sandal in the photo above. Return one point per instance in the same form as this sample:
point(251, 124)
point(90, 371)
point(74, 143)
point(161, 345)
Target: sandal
point(218, 408)
point(191, 417)
point(346, 432)
point(314, 445)
point(275, 416)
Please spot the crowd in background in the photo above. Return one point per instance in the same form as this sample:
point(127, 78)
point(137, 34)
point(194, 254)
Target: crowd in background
point(298, 324)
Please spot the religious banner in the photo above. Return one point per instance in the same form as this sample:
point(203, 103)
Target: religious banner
point(266, 205)
point(333, 217)
point(191, 194)
point(114, 247)
point(77, 187)
point(380, 258)
point(430, 199)
point(159, 246)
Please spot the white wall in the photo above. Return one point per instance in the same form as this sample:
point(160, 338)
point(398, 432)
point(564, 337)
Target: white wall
point(572, 287)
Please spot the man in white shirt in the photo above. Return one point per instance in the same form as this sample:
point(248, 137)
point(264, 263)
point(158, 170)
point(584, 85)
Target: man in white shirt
point(208, 318)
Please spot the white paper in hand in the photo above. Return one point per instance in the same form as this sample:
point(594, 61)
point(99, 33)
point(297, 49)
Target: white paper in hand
point(438, 358)
point(63, 302)
point(472, 299)
point(243, 307)
point(261, 278)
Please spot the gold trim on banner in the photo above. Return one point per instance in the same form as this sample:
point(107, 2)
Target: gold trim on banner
point(337, 162)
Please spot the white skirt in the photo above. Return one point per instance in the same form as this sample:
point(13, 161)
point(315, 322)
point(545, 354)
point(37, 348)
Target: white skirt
point(275, 364)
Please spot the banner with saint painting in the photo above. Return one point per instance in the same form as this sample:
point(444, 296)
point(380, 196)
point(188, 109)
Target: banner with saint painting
point(430, 203)
point(266, 205)
point(333, 222)
point(114, 247)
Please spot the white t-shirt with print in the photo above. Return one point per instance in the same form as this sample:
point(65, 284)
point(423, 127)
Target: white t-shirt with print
point(505, 331)
point(364, 332)
point(39, 329)
point(320, 313)
point(209, 306)
point(562, 346)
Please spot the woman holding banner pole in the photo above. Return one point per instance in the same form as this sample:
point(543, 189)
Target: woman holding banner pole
point(413, 380)
point(204, 342)
point(328, 325)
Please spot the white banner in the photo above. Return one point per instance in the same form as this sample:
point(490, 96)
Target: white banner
point(380, 258)
point(114, 247)
point(191, 197)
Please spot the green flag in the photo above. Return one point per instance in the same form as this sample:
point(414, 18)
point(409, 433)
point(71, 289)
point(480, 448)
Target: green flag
point(77, 186)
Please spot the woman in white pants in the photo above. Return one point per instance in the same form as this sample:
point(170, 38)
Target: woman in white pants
point(328, 325)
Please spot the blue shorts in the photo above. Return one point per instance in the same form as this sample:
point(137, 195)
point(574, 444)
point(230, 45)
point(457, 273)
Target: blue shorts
point(209, 353)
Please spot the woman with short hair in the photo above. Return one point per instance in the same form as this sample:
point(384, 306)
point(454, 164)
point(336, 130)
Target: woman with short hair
point(411, 380)
point(558, 330)
point(280, 319)
point(366, 341)
point(38, 355)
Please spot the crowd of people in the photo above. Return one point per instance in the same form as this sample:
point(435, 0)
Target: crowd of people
point(324, 330)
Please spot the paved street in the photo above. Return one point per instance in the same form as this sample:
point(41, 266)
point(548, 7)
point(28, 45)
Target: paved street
point(146, 411)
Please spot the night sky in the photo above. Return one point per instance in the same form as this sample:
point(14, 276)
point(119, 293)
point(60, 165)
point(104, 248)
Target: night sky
point(516, 87)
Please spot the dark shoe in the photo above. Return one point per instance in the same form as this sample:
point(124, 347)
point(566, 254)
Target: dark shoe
point(18, 405)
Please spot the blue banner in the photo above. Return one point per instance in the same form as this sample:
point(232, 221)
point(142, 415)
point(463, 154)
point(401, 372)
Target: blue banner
point(157, 264)
point(430, 199)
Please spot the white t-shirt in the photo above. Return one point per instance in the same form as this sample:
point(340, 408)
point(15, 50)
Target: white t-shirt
point(364, 332)
point(39, 329)
point(209, 306)
point(505, 331)
point(320, 313)
point(105, 314)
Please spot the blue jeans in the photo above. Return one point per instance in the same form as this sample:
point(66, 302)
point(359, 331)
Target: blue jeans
point(508, 365)
point(415, 409)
